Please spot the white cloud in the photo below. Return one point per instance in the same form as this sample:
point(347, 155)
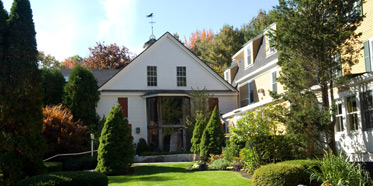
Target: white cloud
point(118, 25)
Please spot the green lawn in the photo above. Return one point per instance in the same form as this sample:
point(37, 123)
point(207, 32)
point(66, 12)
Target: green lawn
point(176, 174)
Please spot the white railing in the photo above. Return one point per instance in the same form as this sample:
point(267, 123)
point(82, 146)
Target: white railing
point(69, 154)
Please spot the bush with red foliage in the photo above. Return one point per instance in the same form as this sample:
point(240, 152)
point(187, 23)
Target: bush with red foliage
point(61, 133)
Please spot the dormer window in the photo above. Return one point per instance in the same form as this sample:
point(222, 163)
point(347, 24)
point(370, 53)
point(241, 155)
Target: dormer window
point(249, 54)
point(226, 76)
point(271, 49)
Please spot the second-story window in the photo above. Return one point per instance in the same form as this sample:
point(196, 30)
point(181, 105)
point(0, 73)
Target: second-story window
point(249, 61)
point(181, 76)
point(152, 76)
point(274, 81)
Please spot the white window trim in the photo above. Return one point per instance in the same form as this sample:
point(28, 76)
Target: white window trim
point(272, 82)
point(357, 112)
point(247, 65)
point(370, 42)
point(343, 115)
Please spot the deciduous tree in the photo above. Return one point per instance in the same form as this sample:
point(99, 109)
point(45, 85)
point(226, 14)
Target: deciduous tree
point(310, 37)
point(48, 61)
point(61, 133)
point(71, 62)
point(22, 145)
point(109, 56)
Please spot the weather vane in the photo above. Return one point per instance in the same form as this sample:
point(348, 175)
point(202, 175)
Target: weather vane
point(151, 22)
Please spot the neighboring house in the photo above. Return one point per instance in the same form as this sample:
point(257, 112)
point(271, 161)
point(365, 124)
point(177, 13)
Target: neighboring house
point(253, 72)
point(154, 92)
point(354, 126)
point(255, 68)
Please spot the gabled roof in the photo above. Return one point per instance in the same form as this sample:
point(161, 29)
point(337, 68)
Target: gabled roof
point(181, 46)
point(101, 75)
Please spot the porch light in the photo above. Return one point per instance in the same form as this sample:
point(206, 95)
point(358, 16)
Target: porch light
point(137, 130)
point(261, 90)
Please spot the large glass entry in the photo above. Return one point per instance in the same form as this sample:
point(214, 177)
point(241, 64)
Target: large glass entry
point(166, 120)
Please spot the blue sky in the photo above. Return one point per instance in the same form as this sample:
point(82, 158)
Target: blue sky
point(69, 27)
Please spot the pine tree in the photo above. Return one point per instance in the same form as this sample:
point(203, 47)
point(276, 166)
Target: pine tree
point(199, 127)
point(314, 39)
point(3, 29)
point(22, 145)
point(213, 136)
point(81, 95)
point(53, 84)
point(116, 152)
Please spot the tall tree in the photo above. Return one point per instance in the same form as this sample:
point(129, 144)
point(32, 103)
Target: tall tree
point(225, 44)
point(116, 152)
point(22, 145)
point(3, 29)
point(53, 84)
point(109, 56)
point(199, 40)
point(81, 95)
point(48, 61)
point(314, 39)
point(71, 62)
point(257, 24)
point(199, 127)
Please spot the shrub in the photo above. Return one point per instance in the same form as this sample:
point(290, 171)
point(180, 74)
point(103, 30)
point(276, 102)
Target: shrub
point(53, 83)
point(280, 175)
point(81, 95)
point(337, 170)
point(231, 151)
point(199, 127)
point(250, 159)
point(307, 164)
point(73, 178)
point(81, 163)
point(220, 164)
point(142, 147)
point(213, 136)
point(116, 152)
point(61, 133)
point(53, 166)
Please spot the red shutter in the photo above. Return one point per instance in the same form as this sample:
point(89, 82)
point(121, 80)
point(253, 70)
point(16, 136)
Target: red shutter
point(213, 102)
point(123, 102)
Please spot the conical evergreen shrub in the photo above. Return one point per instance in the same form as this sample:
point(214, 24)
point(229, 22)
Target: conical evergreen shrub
point(21, 118)
point(199, 127)
point(142, 147)
point(116, 151)
point(213, 136)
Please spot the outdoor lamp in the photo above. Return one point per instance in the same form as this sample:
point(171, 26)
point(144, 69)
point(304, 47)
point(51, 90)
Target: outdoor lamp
point(92, 136)
point(137, 130)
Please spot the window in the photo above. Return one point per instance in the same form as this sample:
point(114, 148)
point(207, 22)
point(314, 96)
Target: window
point(358, 7)
point(352, 113)
point(368, 57)
point(338, 67)
point(274, 81)
point(152, 76)
point(339, 118)
point(247, 94)
point(249, 61)
point(271, 49)
point(181, 76)
point(367, 109)
point(226, 76)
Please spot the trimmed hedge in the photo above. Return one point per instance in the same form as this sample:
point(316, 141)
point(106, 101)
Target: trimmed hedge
point(280, 174)
point(72, 178)
point(304, 163)
point(53, 166)
point(81, 163)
